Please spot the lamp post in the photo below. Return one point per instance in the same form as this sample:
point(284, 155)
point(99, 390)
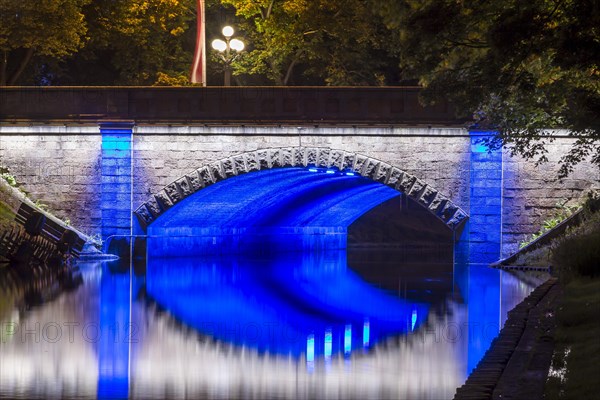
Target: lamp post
point(228, 50)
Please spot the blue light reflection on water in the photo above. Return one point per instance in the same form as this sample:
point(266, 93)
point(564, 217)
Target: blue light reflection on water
point(114, 329)
point(484, 311)
point(274, 304)
point(348, 339)
point(163, 356)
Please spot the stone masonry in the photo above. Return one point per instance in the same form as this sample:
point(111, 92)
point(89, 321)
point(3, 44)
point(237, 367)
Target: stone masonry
point(60, 165)
point(282, 157)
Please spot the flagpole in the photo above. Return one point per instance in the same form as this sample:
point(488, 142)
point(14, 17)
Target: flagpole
point(198, 71)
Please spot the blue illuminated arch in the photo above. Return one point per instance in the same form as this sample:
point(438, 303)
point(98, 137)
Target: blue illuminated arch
point(325, 161)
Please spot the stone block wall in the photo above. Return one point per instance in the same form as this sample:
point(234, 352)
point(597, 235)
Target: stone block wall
point(485, 222)
point(164, 154)
point(61, 165)
point(531, 193)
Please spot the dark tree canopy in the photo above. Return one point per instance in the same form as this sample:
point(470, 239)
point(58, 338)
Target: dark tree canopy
point(517, 67)
point(332, 42)
point(513, 66)
point(133, 42)
point(99, 42)
point(51, 29)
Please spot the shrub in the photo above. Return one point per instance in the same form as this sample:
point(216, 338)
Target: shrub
point(563, 211)
point(580, 253)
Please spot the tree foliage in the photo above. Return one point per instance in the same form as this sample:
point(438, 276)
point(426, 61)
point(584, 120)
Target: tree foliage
point(135, 42)
point(100, 42)
point(51, 28)
point(518, 67)
point(336, 42)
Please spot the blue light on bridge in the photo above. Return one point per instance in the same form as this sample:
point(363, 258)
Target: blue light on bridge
point(116, 140)
point(267, 210)
point(366, 334)
point(332, 171)
point(484, 228)
point(479, 147)
point(413, 320)
point(116, 180)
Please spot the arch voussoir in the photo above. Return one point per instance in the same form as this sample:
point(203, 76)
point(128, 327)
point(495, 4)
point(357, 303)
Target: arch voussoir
point(336, 159)
point(322, 157)
point(382, 173)
point(239, 164)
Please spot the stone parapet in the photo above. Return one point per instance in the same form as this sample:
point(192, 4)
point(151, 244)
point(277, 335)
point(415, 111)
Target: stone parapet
point(249, 105)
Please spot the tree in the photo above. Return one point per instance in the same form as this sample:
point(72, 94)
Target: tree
point(51, 28)
point(517, 67)
point(134, 42)
point(336, 42)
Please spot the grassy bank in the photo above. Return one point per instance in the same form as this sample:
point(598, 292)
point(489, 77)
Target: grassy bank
point(575, 369)
point(6, 300)
point(6, 216)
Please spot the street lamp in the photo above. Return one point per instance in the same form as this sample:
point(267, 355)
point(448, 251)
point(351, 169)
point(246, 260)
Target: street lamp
point(228, 50)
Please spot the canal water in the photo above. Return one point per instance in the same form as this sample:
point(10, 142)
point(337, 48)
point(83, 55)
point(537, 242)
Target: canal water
point(365, 323)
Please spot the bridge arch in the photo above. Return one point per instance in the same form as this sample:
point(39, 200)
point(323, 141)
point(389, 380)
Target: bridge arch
point(318, 157)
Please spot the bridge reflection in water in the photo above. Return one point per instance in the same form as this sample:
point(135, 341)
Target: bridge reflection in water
point(238, 298)
point(303, 305)
point(324, 325)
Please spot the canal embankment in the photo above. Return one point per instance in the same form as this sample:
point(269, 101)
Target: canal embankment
point(36, 251)
point(576, 361)
point(518, 358)
point(549, 346)
point(575, 365)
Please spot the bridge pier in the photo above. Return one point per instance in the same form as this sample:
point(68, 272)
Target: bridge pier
point(116, 185)
point(484, 228)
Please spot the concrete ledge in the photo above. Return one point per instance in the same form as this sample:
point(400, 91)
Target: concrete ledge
point(503, 364)
point(207, 241)
point(572, 221)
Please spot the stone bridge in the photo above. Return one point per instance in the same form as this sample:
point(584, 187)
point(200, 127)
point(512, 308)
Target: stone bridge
point(309, 157)
point(115, 160)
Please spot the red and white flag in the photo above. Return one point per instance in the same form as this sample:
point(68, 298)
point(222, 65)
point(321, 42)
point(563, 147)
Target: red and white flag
point(198, 73)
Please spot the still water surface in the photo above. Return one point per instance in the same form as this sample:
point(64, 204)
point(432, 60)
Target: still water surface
point(321, 325)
